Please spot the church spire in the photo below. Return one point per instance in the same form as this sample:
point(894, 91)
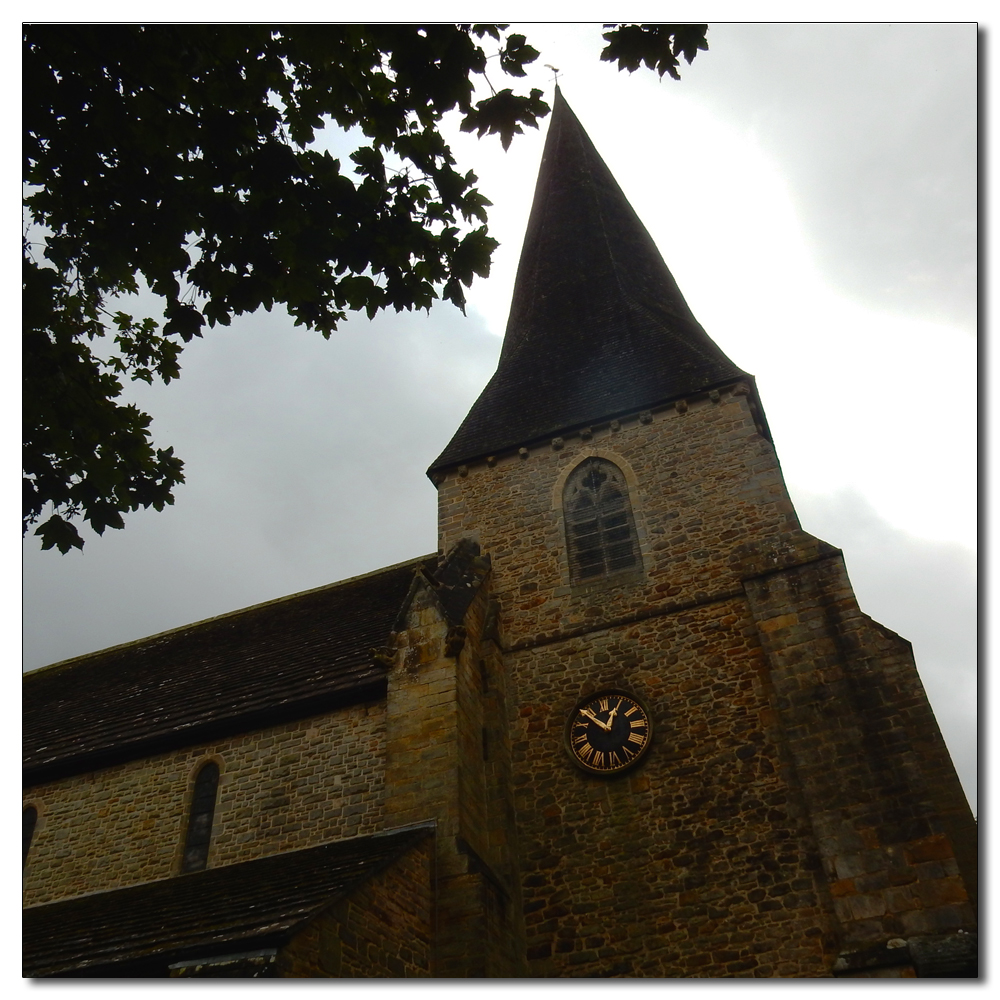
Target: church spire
point(598, 327)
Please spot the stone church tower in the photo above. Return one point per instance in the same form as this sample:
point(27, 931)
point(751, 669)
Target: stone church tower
point(797, 800)
point(628, 721)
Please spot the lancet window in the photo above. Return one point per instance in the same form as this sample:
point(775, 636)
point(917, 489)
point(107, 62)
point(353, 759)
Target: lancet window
point(199, 829)
point(28, 820)
point(600, 530)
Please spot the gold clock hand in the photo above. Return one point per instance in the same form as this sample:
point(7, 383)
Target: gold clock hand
point(590, 715)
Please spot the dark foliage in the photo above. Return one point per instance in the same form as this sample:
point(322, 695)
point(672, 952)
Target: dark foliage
point(655, 45)
point(182, 158)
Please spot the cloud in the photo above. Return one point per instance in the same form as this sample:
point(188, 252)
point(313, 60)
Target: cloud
point(875, 126)
point(305, 463)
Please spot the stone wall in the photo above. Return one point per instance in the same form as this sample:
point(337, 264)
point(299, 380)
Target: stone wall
point(701, 861)
point(894, 830)
point(283, 788)
point(384, 929)
point(447, 760)
point(702, 482)
point(712, 857)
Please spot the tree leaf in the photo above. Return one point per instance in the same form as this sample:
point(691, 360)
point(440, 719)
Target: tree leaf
point(180, 158)
point(655, 45)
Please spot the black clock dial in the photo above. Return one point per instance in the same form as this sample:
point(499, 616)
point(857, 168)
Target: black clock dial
point(608, 733)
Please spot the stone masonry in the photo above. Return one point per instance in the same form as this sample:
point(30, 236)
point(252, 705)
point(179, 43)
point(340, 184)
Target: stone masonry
point(447, 761)
point(384, 929)
point(742, 845)
point(292, 786)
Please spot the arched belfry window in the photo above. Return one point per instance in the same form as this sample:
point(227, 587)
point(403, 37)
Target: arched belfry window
point(600, 529)
point(199, 829)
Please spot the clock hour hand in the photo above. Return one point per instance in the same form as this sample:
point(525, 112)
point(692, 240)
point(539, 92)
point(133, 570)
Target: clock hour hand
point(606, 726)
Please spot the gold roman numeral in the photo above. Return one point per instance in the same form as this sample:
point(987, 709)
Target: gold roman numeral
point(636, 738)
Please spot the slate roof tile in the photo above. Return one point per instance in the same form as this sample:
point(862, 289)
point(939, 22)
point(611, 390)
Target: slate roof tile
point(300, 654)
point(217, 911)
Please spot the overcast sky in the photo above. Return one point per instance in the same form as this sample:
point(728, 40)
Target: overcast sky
point(812, 188)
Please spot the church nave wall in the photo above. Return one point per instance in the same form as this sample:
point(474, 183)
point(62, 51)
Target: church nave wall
point(282, 788)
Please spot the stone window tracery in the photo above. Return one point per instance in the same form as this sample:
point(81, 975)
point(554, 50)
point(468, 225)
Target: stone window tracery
point(600, 529)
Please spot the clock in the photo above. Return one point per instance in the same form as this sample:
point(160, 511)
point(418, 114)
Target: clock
point(608, 733)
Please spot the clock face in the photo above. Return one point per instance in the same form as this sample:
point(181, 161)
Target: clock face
point(608, 733)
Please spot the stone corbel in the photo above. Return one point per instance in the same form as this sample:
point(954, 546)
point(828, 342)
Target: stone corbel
point(455, 640)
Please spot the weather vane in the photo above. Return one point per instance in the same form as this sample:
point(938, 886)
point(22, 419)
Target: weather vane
point(554, 71)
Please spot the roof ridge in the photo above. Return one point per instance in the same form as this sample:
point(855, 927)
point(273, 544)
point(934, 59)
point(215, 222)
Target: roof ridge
point(257, 902)
point(221, 617)
point(427, 826)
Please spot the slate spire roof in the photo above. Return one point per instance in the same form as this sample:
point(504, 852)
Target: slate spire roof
point(597, 326)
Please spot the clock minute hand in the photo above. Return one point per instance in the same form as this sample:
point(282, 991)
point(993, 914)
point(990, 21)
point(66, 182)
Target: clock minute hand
point(590, 715)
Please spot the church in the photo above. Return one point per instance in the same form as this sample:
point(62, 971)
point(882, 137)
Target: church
point(627, 721)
